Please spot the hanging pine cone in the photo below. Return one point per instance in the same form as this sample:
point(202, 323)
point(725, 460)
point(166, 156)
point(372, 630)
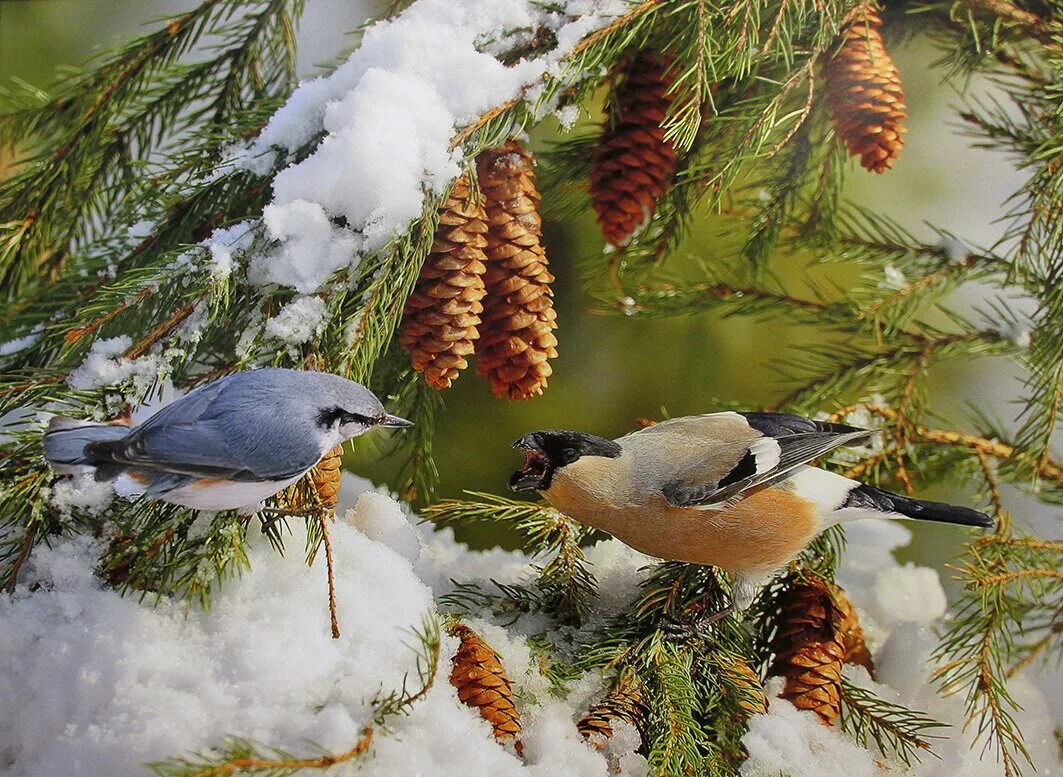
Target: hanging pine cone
point(856, 651)
point(326, 478)
point(809, 648)
point(517, 334)
point(318, 488)
point(863, 90)
point(625, 702)
point(442, 315)
point(746, 686)
point(481, 681)
point(633, 164)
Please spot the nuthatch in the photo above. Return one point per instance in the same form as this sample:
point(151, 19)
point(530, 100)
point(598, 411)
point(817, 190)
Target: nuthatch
point(733, 490)
point(228, 444)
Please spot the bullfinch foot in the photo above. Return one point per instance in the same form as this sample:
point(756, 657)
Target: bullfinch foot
point(698, 627)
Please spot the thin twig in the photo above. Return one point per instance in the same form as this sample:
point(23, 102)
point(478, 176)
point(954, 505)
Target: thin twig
point(323, 762)
point(323, 522)
point(158, 332)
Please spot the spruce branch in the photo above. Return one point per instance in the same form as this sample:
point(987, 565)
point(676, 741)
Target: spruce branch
point(895, 730)
point(1011, 588)
point(567, 585)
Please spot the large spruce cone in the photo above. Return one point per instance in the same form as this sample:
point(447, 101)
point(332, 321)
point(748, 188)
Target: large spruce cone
point(442, 315)
point(810, 648)
point(481, 681)
point(517, 334)
point(633, 164)
point(863, 90)
point(856, 651)
point(625, 702)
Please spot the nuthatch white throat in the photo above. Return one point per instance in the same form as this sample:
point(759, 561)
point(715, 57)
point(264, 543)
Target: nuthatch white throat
point(733, 490)
point(228, 444)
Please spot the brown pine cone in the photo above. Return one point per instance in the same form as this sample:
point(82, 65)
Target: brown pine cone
point(442, 315)
point(481, 681)
point(517, 334)
point(326, 478)
point(320, 487)
point(625, 702)
point(746, 686)
point(633, 164)
point(864, 92)
point(809, 648)
point(856, 651)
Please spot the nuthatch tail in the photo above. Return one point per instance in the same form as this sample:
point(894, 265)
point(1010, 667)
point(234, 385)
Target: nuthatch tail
point(733, 490)
point(228, 444)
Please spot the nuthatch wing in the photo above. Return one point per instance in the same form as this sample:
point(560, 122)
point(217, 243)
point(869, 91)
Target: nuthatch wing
point(228, 444)
point(733, 490)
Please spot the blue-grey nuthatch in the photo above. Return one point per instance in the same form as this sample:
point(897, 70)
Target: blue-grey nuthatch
point(733, 490)
point(228, 444)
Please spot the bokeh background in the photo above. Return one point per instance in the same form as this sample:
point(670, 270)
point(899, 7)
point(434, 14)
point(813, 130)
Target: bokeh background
point(611, 371)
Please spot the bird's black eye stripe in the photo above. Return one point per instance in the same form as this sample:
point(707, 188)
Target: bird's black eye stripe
point(328, 418)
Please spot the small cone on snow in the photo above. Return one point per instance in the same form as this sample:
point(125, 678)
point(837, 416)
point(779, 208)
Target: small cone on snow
point(633, 165)
point(517, 334)
point(864, 92)
point(625, 702)
point(809, 648)
point(746, 686)
point(441, 319)
point(481, 681)
point(856, 651)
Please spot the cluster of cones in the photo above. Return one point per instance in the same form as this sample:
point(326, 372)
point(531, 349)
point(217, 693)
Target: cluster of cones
point(633, 164)
point(484, 287)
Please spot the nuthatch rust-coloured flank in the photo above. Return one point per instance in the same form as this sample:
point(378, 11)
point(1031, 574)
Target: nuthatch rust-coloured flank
point(228, 444)
point(732, 490)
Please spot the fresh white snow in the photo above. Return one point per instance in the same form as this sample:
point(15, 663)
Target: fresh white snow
point(95, 685)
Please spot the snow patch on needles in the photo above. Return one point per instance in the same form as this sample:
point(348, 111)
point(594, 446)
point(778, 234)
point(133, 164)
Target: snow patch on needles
point(105, 366)
point(299, 321)
point(388, 115)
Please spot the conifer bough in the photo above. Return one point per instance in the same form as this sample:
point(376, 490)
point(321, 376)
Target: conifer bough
point(517, 335)
point(634, 165)
point(865, 95)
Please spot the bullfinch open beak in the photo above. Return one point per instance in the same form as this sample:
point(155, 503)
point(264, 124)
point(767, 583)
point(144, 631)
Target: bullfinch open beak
point(537, 468)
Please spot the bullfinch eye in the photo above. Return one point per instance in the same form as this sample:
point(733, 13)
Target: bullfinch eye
point(569, 455)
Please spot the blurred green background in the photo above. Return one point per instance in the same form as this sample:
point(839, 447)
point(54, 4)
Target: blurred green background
point(611, 371)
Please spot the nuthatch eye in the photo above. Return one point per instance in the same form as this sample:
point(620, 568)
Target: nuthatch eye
point(733, 490)
point(228, 444)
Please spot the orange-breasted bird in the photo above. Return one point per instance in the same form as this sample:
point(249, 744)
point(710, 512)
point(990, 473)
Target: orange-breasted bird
point(733, 490)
